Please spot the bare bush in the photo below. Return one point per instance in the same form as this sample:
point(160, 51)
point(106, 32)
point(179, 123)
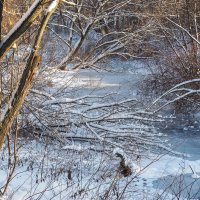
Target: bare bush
point(178, 59)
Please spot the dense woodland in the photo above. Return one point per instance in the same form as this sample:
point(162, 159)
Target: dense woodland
point(50, 123)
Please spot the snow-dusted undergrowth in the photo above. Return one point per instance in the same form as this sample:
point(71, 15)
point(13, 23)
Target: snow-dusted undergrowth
point(78, 125)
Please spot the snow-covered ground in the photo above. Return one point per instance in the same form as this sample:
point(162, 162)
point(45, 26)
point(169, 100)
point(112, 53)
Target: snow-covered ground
point(72, 171)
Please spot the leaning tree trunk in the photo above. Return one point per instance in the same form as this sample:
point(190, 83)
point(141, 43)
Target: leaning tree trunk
point(26, 80)
point(23, 24)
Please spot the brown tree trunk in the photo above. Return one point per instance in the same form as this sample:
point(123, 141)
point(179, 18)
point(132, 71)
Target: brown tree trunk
point(18, 100)
point(16, 32)
point(1, 16)
point(25, 82)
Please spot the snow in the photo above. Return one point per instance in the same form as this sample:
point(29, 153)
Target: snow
point(73, 147)
point(69, 3)
point(147, 170)
point(169, 165)
point(118, 150)
point(134, 167)
point(80, 102)
point(163, 166)
point(8, 105)
point(195, 176)
point(42, 93)
point(52, 6)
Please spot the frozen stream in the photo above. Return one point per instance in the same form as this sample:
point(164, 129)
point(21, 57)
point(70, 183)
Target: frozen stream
point(183, 133)
point(168, 176)
point(184, 179)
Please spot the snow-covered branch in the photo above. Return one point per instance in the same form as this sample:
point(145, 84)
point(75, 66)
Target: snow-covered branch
point(179, 88)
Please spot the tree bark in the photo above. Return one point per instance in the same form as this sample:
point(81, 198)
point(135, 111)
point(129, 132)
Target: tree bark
point(26, 80)
point(1, 16)
point(24, 24)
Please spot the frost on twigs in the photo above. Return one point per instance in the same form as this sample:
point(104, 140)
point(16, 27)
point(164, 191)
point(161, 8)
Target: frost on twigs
point(99, 120)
